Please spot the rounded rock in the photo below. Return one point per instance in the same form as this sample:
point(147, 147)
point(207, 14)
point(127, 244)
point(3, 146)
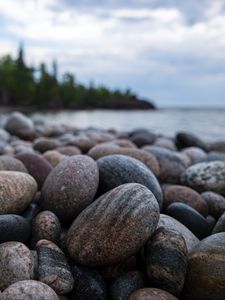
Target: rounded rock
point(109, 149)
point(151, 294)
point(184, 194)
point(16, 263)
point(14, 228)
point(46, 225)
point(189, 217)
point(70, 187)
point(8, 163)
point(206, 177)
point(53, 157)
point(166, 260)
point(170, 164)
point(172, 224)
point(220, 225)
point(17, 191)
point(37, 166)
point(115, 170)
point(206, 270)
point(215, 202)
point(186, 139)
point(18, 123)
point(27, 290)
point(125, 218)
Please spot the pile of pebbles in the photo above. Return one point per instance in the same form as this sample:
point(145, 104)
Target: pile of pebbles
point(100, 214)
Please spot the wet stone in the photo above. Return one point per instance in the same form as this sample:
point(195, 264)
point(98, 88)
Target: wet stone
point(215, 202)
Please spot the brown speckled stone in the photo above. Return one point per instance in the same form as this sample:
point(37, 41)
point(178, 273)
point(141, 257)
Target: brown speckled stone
point(69, 150)
point(46, 225)
point(29, 290)
point(17, 191)
point(216, 203)
point(37, 166)
point(8, 163)
point(151, 294)
point(113, 227)
point(206, 270)
point(16, 263)
point(53, 157)
point(171, 166)
point(172, 224)
point(70, 187)
point(53, 268)
point(184, 194)
point(206, 176)
point(83, 142)
point(166, 260)
point(108, 149)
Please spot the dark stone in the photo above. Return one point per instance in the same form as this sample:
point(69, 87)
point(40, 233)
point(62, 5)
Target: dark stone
point(115, 170)
point(70, 187)
point(37, 166)
point(185, 139)
point(143, 138)
point(125, 285)
point(88, 284)
point(192, 219)
point(166, 260)
point(206, 270)
point(53, 268)
point(114, 227)
point(14, 228)
point(43, 144)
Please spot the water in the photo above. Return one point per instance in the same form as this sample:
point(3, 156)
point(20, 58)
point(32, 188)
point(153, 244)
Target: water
point(206, 123)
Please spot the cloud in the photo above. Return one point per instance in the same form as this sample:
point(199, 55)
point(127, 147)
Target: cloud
point(148, 45)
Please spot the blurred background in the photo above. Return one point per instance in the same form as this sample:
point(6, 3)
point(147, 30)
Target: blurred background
point(158, 64)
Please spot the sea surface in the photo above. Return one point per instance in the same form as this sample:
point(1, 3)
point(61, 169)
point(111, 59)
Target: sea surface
point(207, 123)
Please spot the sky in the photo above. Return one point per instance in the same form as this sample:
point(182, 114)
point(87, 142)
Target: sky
point(169, 51)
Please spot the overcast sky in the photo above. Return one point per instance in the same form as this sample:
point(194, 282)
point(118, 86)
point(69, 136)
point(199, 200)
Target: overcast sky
point(171, 51)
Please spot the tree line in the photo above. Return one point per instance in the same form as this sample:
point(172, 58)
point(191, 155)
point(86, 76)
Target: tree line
point(22, 85)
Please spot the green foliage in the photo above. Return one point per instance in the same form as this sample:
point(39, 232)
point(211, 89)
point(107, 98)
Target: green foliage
point(19, 86)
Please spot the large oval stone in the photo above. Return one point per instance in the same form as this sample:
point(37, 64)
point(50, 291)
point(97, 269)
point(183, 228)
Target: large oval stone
point(113, 227)
point(206, 177)
point(172, 224)
point(206, 270)
point(16, 263)
point(17, 123)
point(8, 163)
point(29, 289)
point(115, 170)
point(70, 187)
point(17, 191)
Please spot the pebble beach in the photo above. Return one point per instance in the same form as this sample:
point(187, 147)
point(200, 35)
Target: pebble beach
point(109, 214)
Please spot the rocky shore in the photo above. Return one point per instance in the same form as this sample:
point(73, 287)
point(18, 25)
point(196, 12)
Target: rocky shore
point(106, 215)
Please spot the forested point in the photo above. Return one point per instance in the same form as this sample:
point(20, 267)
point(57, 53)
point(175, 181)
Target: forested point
point(24, 86)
